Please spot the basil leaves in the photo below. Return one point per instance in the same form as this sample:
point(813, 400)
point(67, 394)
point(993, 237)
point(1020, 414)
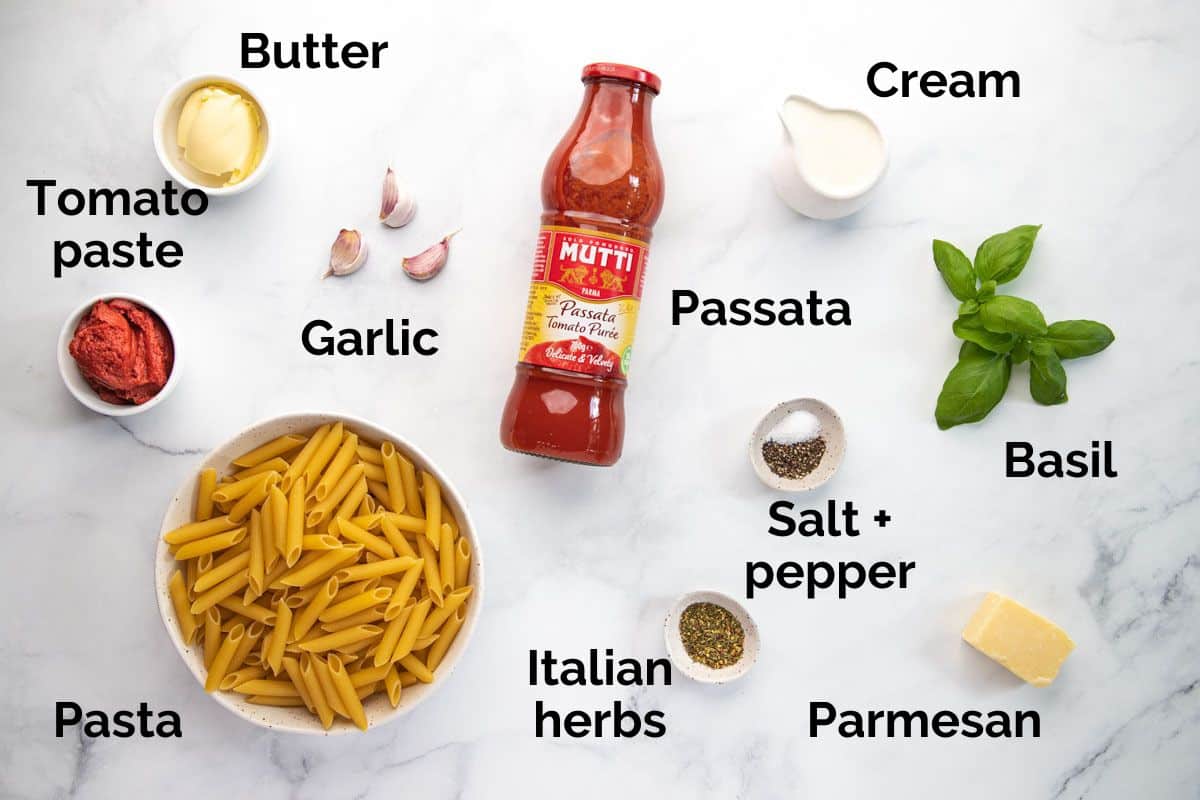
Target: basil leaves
point(1001, 330)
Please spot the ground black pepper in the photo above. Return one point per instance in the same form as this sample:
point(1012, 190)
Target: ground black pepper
point(794, 460)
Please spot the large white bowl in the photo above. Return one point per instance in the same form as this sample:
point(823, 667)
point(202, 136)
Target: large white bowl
point(299, 720)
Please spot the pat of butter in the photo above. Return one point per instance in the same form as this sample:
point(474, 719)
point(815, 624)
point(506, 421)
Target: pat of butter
point(1027, 644)
point(219, 133)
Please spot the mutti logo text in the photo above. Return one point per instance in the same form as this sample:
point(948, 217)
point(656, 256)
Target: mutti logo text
point(598, 255)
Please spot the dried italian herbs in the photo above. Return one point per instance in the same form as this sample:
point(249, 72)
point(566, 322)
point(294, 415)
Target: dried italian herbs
point(711, 635)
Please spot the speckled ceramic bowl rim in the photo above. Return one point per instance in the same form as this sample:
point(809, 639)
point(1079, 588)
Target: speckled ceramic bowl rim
point(73, 378)
point(695, 670)
point(162, 145)
point(298, 720)
point(831, 429)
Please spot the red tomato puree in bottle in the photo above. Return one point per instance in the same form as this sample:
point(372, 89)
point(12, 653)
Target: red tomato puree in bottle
point(602, 191)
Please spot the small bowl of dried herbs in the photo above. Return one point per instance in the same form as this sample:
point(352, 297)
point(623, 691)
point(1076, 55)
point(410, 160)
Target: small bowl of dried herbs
point(798, 445)
point(710, 637)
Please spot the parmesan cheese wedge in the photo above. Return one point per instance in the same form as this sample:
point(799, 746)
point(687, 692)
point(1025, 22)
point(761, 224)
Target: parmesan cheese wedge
point(1026, 644)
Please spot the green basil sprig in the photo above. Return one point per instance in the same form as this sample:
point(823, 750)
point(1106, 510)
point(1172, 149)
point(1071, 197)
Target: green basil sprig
point(1001, 330)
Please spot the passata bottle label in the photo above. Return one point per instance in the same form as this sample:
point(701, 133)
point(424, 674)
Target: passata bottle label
point(583, 301)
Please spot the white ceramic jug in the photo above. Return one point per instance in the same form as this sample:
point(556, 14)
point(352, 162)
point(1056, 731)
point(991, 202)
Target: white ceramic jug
point(830, 160)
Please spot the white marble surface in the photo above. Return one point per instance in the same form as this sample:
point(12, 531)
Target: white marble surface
point(1101, 149)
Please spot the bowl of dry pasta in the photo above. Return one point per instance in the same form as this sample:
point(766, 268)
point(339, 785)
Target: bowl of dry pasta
point(319, 575)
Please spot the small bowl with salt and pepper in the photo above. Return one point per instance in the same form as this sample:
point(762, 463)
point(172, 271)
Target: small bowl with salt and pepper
point(798, 445)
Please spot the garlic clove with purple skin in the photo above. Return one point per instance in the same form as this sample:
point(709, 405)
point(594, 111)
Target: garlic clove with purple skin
point(429, 262)
point(397, 208)
point(348, 253)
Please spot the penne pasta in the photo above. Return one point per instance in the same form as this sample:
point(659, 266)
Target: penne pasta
point(375, 544)
point(403, 591)
point(355, 605)
point(268, 688)
point(352, 500)
point(199, 530)
point(369, 454)
point(268, 700)
point(462, 562)
point(342, 460)
point(449, 630)
point(276, 464)
point(438, 616)
point(345, 690)
point(221, 571)
point(309, 614)
point(375, 474)
point(283, 625)
point(316, 694)
point(210, 544)
point(257, 572)
point(220, 665)
point(183, 613)
point(419, 670)
point(251, 611)
point(391, 680)
point(293, 537)
point(433, 583)
point(324, 509)
point(325, 563)
point(240, 676)
point(254, 497)
point(446, 557)
point(292, 667)
point(412, 498)
point(205, 485)
point(212, 636)
point(327, 687)
point(340, 639)
point(433, 509)
point(302, 459)
point(395, 538)
point(319, 542)
point(226, 588)
point(412, 630)
point(392, 632)
point(275, 447)
point(323, 455)
point(320, 573)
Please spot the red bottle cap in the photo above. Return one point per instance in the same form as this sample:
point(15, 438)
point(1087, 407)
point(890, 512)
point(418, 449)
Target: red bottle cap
point(624, 72)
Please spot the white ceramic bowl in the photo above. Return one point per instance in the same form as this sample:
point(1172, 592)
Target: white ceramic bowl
point(829, 427)
point(695, 670)
point(80, 388)
point(166, 119)
point(299, 720)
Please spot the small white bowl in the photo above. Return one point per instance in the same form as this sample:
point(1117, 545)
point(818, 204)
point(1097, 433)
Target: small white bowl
point(694, 669)
point(830, 429)
point(83, 391)
point(166, 119)
point(299, 720)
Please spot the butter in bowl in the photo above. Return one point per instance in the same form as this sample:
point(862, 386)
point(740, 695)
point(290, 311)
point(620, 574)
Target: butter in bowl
point(212, 133)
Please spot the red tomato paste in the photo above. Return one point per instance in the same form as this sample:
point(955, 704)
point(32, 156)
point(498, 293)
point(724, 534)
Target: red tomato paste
point(124, 351)
point(602, 191)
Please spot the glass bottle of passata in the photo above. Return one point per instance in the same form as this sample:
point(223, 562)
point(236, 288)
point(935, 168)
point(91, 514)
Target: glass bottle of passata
point(602, 190)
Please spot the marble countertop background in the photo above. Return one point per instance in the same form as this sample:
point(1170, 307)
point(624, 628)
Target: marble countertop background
point(1101, 148)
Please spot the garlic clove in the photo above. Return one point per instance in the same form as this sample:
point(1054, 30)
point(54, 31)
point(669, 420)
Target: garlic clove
point(397, 208)
point(429, 262)
point(348, 253)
